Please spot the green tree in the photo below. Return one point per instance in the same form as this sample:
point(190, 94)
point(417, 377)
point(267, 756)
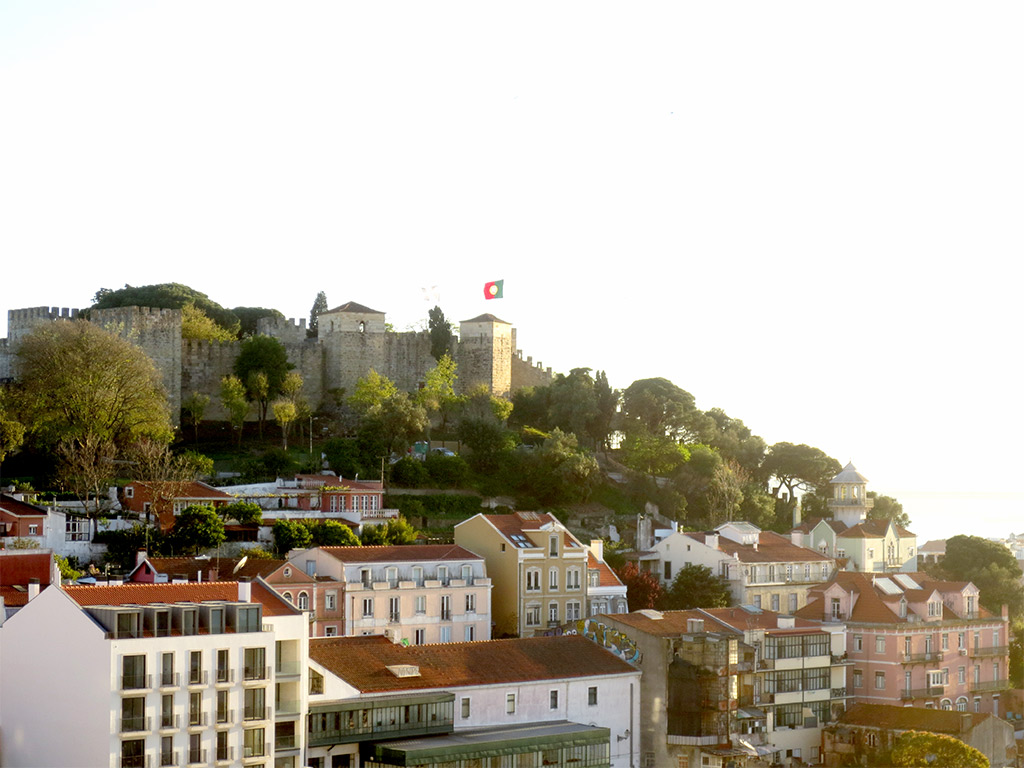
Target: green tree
point(67, 573)
point(695, 586)
point(12, 433)
point(285, 414)
point(166, 296)
point(235, 402)
point(192, 410)
point(608, 400)
point(198, 326)
point(438, 389)
point(319, 307)
point(659, 407)
point(371, 392)
point(86, 469)
point(262, 364)
point(654, 454)
point(289, 535)
point(396, 531)
point(919, 749)
point(440, 331)
point(331, 533)
point(887, 508)
point(643, 590)
point(78, 381)
point(396, 423)
point(799, 468)
point(990, 566)
point(197, 528)
point(242, 512)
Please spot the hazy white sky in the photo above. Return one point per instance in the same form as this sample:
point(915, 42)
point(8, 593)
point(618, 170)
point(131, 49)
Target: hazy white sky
point(807, 214)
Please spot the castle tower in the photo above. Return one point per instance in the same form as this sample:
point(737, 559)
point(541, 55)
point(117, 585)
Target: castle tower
point(485, 354)
point(850, 503)
point(354, 342)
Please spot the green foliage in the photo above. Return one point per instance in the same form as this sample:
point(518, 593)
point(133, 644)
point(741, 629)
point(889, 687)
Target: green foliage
point(166, 296)
point(438, 390)
point(659, 407)
point(653, 454)
point(395, 424)
point(887, 508)
point(262, 364)
point(695, 586)
point(123, 544)
point(918, 749)
point(331, 533)
point(319, 307)
point(486, 439)
point(408, 472)
point(440, 331)
point(289, 535)
point(242, 512)
point(197, 464)
point(249, 318)
point(235, 402)
point(447, 471)
point(12, 433)
point(643, 590)
point(443, 505)
point(799, 467)
point(79, 381)
point(193, 408)
point(394, 531)
point(197, 528)
point(990, 566)
point(346, 457)
point(20, 543)
point(277, 462)
point(198, 326)
point(371, 392)
point(67, 573)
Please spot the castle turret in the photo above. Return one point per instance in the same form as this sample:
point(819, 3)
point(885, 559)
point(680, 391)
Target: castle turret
point(850, 503)
point(353, 339)
point(485, 354)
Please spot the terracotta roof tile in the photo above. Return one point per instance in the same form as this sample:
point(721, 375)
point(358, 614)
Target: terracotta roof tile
point(192, 592)
point(351, 306)
point(400, 553)
point(20, 508)
point(19, 567)
point(363, 662)
point(771, 548)
point(874, 529)
point(675, 623)
point(606, 576)
point(192, 490)
point(890, 716)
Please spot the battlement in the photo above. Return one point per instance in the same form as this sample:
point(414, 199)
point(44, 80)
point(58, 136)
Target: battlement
point(143, 314)
point(538, 366)
point(265, 324)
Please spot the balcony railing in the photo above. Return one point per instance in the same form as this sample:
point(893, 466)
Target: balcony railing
point(990, 685)
point(225, 715)
point(197, 719)
point(285, 742)
point(140, 723)
point(394, 618)
point(256, 713)
point(990, 650)
point(255, 750)
point(170, 720)
point(921, 693)
point(256, 673)
point(169, 758)
point(286, 707)
point(446, 615)
point(170, 679)
point(839, 693)
point(922, 658)
point(198, 677)
point(196, 756)
point(225, 676)
point(288, 668)
point(134, 761)
point(224, 754)
point(135, 682)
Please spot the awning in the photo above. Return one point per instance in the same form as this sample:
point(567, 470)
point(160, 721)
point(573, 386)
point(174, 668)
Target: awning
point(750, 712)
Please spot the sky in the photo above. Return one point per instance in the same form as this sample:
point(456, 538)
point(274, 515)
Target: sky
point(807, 214)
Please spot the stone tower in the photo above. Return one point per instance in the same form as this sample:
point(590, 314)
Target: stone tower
point(850, 503)
point(485, 354)
point(354, 342)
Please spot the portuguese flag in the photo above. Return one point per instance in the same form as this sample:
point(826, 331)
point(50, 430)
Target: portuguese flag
point(493, 289)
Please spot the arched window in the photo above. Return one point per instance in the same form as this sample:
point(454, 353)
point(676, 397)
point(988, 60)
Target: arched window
point(288, 596)
point(946, 704)
point(303, 601)
point(961, 704)
point(362, 326)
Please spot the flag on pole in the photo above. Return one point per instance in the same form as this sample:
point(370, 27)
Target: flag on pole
point(493, 289)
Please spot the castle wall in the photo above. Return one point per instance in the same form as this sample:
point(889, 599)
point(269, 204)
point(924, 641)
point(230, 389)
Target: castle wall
point(204, 364)
point(526, 374)
point(408, 358)
point(485, 357)
point(158, 333)
point(350, 355)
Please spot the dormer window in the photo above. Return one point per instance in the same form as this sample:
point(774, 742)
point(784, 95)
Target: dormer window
point(442, 574)
point(553, 546)
point(903, 608)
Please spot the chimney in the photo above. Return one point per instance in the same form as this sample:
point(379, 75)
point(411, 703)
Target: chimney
point(33, 589)
point(597, 547)
point(711, 539)
point(797, 537)
point(694, 626)
point(140, 555)
point(244, 590)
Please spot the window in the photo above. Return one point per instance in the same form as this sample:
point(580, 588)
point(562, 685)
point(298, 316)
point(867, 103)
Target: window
point(668, 571)
point(167, 719)
point(255, 661)
point(465, 707)
point(417, 575)
point(553, 579)
point(167, 750)
point(311, 567)
point(419, 636)
point(858, 678)
point(533, 615)
point(945, 641)
point(510, 704)
point(470, 603)
point(421, 604)
point(222, 746)
point(553, 700)
point(775, 603)
point(757, 601)
point(254, 701)
point(330, 601)
point(467, 574)
point(553, 613)
point(961, 704)
point(288, 596)
point(76, 529)
point(446, 634)
point(442, 576)
point(167, 669)
point(133, 672)
point(287, 572)
point(858, 642)
point(879, 680)
point(223, 673)
point(252, 743)
point(367, 606)
point(303, 601)
point(792, 602)
point(572, 579)
point(248, 619)
point(572, 610)
point(195, 708)
point(133, 753)
point(394, 610)
point(592, 696)
point(470, 633)
point(133, 714)
point(446, 607)
point(553, 546)
point(533, 580)
point(365, 577)
point(316, 683)
point(836, 610)
point(879, 643)
point(331, 630)
point(223, 715)
point(391, 574)
point(961, 675)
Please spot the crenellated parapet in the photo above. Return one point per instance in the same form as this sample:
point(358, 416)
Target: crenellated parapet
point(20, 322)
point(290, 331)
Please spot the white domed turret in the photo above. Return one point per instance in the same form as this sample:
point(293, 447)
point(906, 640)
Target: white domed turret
point(850, 503)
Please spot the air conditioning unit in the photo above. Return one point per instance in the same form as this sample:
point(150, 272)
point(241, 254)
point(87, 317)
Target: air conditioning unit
point(963, 651)
point(391, 634)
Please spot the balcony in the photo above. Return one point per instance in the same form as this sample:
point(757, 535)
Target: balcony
point(285, 742)
point(224, 754)
point(135, 682)
point(198, 677)
point(990, 650)
point(839, 693)
point(224, 676)
point(196, 756)
point(256, 713)
point(990, 685)
point(197, 720)
point(132, 724)
point(843, 660)
point(256, 673)
point(394, 618)
point(170, 680)
point(169, 758)
point(921, 693)
point(255, 750)
point(288, 669)
point(170, 721)
point(922, 658)
point(134, 761)
point(225, 716)
point(286, 708)
point(446, 615)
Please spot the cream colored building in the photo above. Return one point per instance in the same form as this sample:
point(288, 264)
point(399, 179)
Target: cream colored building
point(538, 568)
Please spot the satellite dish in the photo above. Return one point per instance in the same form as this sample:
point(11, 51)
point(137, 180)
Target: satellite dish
point(239, 565)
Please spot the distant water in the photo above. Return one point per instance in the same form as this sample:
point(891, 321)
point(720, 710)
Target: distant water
point(942, 515)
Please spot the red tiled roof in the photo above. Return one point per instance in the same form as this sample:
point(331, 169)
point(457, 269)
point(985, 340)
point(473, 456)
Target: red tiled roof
point(192, 592)
point(521, 522)
point(191, 490)
point(771, 548)
point(874, 529)
point(400, 553)
point(892, 717)
point(20, 508)
point(190, 566)
point(19, 567)
point(675, 623)
point(351, 306)
point(363, 662)
point(606, 576)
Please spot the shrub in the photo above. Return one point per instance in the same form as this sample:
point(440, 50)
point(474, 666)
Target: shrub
point(409, 473)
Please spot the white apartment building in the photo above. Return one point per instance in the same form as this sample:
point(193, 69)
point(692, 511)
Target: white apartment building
point(147, 675)
point(478, 691)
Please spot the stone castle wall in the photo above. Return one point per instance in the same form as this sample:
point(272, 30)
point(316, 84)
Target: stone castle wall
point(337, 358)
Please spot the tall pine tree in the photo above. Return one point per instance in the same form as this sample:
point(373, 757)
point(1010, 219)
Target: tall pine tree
point(320, 305)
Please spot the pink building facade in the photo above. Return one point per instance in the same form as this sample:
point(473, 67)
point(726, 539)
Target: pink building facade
point(916, 641)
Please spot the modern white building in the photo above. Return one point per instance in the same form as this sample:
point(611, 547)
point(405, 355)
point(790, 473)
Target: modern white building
point(147, 675)
point(372, 688)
